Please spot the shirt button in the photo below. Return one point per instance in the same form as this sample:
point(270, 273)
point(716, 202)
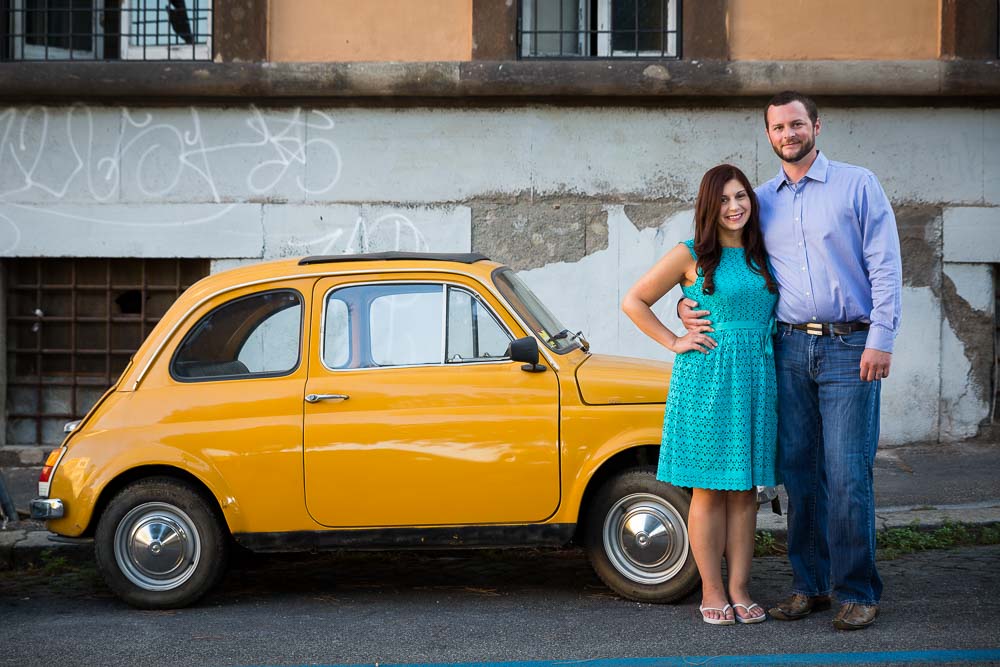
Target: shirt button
point(807, 294)
point(803, 268)
point(814, 319)
point(798, 194)
point(800, 244)
point(796, 219)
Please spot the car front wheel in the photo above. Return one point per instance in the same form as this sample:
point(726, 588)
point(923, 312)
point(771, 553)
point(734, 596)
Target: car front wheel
point(637, 537)
point(160, 545)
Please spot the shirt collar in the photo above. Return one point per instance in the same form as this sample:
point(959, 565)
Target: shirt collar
point(817, 172)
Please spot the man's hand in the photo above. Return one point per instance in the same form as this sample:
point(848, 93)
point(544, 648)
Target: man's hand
point(692, 319)
point(875, 364)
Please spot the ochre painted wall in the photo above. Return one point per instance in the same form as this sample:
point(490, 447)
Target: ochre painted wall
point(374, 30)
point(834, 30)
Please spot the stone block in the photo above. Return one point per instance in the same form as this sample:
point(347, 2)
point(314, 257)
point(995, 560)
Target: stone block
point(419, 155)
point(972, 234)
point(332, 229)
point(653, 153)
point(117, 230)
point(201, 155)
point(943, 163)
point(59, 154)
point(991, 156)
point(910, 398)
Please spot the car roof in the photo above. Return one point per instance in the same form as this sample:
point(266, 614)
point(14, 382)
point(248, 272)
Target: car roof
point(471, 264)
point(462, 257)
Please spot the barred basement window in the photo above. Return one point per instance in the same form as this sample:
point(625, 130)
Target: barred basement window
point(599, 28)
point(72, 326)
point(106, 29)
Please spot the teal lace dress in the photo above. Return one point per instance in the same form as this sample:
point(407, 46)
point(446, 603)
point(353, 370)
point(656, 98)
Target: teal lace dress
point(720, 426)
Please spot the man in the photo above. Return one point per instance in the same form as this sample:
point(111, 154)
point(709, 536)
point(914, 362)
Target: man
point(831, 236)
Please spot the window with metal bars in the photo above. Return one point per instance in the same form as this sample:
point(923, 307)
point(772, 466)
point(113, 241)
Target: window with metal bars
point(72, 326)
point(106, 29)
point(599, 28)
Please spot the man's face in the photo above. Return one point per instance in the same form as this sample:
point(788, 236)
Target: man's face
point(791, 131)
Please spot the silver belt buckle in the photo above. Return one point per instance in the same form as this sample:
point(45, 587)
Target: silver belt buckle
point(814, 328)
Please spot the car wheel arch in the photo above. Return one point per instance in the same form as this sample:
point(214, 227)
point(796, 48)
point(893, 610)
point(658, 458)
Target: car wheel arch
point(132, 475)
point(624, 459)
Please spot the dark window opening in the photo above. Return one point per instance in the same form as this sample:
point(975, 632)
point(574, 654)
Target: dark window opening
point(599, 28)
point(106, 29)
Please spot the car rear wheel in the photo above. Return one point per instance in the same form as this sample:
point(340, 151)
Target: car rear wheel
point(637, 537)
point(160, 545)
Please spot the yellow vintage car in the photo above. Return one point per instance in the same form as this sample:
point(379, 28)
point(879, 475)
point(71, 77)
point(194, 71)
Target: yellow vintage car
point(392, 400)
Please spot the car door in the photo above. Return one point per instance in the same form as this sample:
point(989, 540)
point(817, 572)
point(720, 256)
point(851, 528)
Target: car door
point(414, 416)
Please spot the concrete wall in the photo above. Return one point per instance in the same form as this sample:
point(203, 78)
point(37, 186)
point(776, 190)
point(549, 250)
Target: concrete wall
point(846, 29)
point(581, 201)
point(376, 30)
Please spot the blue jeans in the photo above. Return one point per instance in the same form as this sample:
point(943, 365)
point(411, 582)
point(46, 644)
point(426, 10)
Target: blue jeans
point(828, 423)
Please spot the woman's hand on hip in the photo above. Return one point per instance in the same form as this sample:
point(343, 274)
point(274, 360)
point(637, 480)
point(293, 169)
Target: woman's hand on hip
point(694, 340)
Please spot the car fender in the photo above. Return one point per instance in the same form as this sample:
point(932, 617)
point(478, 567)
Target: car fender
point(91, 472)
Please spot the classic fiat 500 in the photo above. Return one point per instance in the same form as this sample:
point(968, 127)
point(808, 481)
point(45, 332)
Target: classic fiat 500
point(367, 402)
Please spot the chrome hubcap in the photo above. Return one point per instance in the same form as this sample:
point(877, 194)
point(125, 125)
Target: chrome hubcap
point(157, 546)
point(645, 538)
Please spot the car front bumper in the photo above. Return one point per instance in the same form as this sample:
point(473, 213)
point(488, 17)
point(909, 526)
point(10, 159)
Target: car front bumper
point(46, 508)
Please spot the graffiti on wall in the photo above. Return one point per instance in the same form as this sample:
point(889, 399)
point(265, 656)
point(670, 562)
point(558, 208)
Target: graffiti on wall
point(392, 231)
point(138, 176)
point(164, 151)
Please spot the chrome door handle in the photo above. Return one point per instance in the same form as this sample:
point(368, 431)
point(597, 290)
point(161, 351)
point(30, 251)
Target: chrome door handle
point(316, 398)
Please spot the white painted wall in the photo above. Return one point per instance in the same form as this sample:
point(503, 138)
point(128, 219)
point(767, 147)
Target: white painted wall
point(246, 184)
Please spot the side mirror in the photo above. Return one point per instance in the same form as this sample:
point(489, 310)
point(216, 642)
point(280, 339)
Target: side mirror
point(526, 349)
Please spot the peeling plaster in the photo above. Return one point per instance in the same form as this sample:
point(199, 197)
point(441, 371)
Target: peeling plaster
point(920, 229)
point(967, 359)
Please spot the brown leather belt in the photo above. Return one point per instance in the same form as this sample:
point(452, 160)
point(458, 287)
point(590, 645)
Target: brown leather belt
point(827, 328)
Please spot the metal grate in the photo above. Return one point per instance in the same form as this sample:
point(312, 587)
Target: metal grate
point(599, 28)
point(72, 326)
point(106, 29)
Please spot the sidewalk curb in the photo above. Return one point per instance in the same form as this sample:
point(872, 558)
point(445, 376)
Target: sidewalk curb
point(925, 518)
point(24, 548)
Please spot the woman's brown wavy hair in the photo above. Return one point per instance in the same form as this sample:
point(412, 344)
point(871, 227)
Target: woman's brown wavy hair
point(706, 228)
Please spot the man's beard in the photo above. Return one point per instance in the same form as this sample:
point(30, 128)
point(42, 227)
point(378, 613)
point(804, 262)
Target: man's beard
point(805, 148)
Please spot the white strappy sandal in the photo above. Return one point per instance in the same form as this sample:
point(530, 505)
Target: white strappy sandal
point(749, 619)
point(717, 621)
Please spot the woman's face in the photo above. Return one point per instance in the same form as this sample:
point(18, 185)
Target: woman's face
point(735, 207)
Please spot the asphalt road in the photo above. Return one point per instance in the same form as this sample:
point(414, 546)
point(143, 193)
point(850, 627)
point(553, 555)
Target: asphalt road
point(472, 606)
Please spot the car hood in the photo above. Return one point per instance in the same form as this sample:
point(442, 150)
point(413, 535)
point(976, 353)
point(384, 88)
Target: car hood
point(604, 379)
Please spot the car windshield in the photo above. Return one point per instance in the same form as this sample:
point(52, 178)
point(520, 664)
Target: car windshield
point(534, 313)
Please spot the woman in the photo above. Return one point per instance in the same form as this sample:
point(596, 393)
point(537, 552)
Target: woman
point(719, 430)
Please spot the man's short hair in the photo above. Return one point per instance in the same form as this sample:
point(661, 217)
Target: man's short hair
point(789, 96)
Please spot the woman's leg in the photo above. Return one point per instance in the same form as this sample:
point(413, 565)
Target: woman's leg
point(707, 531)
point(741, 524)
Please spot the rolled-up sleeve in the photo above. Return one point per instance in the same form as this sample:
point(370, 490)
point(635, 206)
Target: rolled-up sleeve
point(882, 263)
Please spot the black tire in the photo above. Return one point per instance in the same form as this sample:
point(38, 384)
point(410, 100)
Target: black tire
point(637, 540)
point(160, 544)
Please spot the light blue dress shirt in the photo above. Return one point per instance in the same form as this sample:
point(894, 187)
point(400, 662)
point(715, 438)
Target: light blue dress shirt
point(834, 249)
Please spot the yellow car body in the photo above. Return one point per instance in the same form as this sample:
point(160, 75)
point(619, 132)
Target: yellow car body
point(480, 450)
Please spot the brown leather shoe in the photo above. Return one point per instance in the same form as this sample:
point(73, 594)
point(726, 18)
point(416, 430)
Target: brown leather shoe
point(854, 616)
point(797, 606)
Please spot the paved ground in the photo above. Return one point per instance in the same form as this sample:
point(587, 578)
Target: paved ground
point(514, 606)
point(473, 606)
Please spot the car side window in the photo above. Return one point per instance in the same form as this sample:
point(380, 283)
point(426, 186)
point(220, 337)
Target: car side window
point(405, 328)
point(408, 324)
point(473, 332)
point(251, 336)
